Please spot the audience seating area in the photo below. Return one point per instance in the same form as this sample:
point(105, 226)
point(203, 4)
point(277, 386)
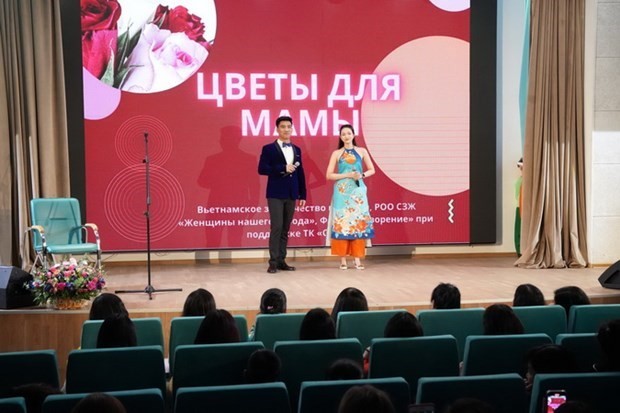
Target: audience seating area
point(413, 358)
point(255, 398)
point(545, 319)
point(427, 369)
point(125, 368)
point(26, 367)
point(506, 392)
point(270, 328)
point(459, 323)
point(588, 318)
point(499, 354)
point(584, 347)
point(13, 405)
point(363, 325)
point(149, 332)
point(134, 401)
point(212, 364)
point(324, 396)
point(598, 390)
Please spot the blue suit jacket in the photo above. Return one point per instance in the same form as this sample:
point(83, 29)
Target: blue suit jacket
point(280, 184)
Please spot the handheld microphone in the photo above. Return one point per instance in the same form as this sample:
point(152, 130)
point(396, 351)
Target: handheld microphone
point(357, 182)
point(296, 165)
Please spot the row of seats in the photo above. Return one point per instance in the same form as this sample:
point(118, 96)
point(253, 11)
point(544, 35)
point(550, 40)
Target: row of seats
point(366, 325)
point(505, 392)
point(224, 364)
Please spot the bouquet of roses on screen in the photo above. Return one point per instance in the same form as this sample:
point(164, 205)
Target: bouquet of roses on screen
point(159, 54)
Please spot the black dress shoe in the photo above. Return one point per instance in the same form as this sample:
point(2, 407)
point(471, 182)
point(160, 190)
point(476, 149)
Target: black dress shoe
point(272, 269)
point(285, 267)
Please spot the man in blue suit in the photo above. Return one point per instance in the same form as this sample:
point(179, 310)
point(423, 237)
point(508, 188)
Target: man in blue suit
point(286, 183)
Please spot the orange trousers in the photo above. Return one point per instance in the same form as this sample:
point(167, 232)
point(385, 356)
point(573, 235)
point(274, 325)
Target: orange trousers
point(351, 247)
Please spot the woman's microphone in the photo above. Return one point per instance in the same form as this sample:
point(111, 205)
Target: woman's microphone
point(357, 182)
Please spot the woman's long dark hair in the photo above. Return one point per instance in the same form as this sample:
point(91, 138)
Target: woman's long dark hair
point(340, 142)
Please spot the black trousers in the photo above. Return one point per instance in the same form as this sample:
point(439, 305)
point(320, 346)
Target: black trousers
point(281, 214)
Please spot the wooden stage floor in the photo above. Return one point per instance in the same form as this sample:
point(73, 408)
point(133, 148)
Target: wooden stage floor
point(387, 282)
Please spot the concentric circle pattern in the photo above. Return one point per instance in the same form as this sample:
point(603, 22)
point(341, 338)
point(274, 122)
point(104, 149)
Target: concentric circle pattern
point(129, 142)
point(125, 203)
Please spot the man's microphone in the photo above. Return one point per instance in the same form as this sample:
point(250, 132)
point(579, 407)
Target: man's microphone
point(296, 165)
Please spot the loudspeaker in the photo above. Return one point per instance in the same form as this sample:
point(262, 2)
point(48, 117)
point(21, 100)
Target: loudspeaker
point(13, 294)
point(610, 278)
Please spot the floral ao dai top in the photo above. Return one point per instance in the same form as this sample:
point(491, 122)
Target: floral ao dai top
point(350, 215)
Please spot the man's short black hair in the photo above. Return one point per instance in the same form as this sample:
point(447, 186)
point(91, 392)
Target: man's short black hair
point(282, 119)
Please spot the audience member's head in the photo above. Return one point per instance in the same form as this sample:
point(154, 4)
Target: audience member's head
point(317, 325)
point(365, 399)
point(34, 394)
point(499, 319)
point(117, 331)
point(218, 326)
point(403, 324)
point(609, 340)
point(528, 295)
point(570, 296)
point(574, 406)
point(446, 296)
point(198, 303)
point(99, 403)
point(263, 367)
point(470, 405)
point(349, 299)
point(273, 301)
point(106, 305)
point(345, 369)
point(548, 358)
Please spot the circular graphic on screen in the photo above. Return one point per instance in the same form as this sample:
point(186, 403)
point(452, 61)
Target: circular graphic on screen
point(421, 139)
point(125, 203)
point(132, 136)
point(451, 5)
point(146, 46)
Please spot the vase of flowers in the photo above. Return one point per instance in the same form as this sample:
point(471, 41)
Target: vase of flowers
point(67, 285)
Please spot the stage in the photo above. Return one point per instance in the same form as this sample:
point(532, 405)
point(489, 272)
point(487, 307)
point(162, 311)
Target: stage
point(388, 282)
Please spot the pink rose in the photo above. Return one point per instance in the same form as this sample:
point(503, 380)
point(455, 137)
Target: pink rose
point(99, 14)
point(180, 20)
point(60, 286)
point(97, 50)
point(162, 60)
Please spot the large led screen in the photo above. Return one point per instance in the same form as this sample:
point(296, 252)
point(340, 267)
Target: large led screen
point(186, 93)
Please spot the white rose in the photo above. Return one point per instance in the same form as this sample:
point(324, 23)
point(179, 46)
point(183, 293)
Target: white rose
point(162, 60)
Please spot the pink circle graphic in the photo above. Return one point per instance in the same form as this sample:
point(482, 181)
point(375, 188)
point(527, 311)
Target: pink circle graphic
point(130, 144)
point(125, 203)
point(451, 5)
point(100, 100)
point(421, 141)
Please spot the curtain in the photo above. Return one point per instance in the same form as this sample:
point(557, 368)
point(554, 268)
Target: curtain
point(553, 233)
point(33, 125)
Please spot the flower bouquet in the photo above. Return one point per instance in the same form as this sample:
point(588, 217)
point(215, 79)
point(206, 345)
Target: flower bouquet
point(141, 50)
point(67, 284)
